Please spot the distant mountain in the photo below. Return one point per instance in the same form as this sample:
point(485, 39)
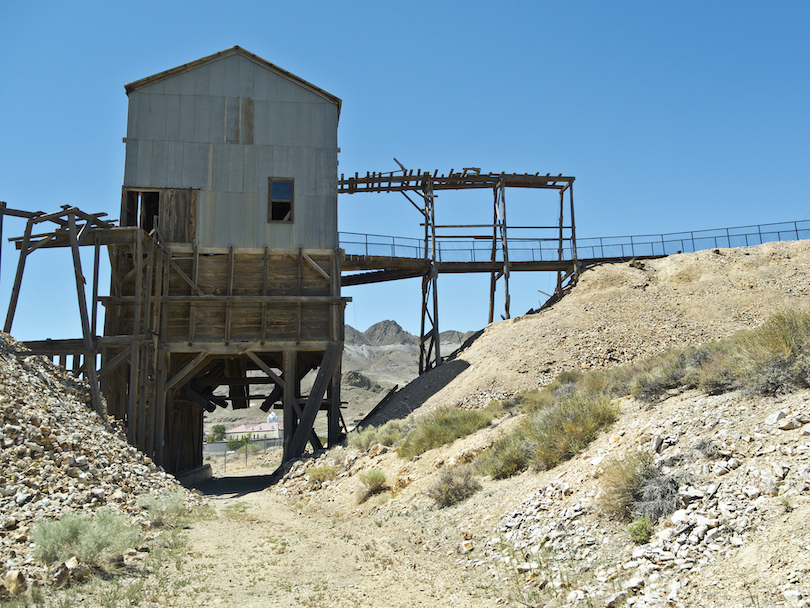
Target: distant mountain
point(387, 333)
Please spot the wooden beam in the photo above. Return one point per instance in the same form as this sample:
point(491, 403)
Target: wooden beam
point(89, 344)
point(187, 372)
point(330, 359)
point(15, 291)
point(115, 362)
point(266, 369)
point(320, 270)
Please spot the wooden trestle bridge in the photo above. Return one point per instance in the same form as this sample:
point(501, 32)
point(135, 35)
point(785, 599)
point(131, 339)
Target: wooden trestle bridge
point(182, 320)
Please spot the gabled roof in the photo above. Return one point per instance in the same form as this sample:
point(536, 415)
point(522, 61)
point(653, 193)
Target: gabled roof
point(236, 50)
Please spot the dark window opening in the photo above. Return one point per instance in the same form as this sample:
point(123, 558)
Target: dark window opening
point(141, 209)
point(280, 200)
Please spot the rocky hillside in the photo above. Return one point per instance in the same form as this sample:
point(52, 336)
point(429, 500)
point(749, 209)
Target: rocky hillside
point(58, 455)
point(739, 535)
point(619, 313)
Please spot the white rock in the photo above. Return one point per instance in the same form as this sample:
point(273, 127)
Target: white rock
point(774, 417)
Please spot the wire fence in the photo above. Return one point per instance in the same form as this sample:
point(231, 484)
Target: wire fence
point(525, 249)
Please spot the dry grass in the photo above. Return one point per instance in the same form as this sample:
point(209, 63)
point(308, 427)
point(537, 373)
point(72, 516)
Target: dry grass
point(453, 486)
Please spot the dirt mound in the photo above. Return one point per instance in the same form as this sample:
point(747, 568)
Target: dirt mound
point(619, 313)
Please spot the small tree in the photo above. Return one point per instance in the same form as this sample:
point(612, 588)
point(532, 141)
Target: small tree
point(218, 432)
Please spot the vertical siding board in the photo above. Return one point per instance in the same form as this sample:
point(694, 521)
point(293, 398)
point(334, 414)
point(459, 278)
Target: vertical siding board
point(261, 123)
point(132, 116)
point(261, 83)
point(202, 118)
point(284, 125)
point(174, 165)
point(217, 126)
point(246, 121)
point(231, 74)
point(171, 86)
point(187, 83)
point(186, 122)
point(195, 163)
point(249, 155)
point(220, 168)
point(144, 161)
point(216, 83)
point(202, 77)
point(274, 86)
point(172, 118)
point(131, 162)
point(246, 67)
point(232, 120)
point(159, 160)
point(289, 90)
point(236, 161)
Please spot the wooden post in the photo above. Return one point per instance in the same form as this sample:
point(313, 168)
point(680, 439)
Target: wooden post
point(290, 384)
point(560, 244)
point(15, 291)
point(89, 341)
point(305, 426)
point(574, 230)
point(228, 305)
point(192, 312)
point(134, 362)
point(493, 277)
point(504, 244)
point(265, 280)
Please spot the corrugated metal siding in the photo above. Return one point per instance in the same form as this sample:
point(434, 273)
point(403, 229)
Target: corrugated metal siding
point(225, 128)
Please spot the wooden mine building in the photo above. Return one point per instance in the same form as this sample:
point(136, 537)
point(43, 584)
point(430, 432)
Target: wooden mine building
point(226, 263)
point(226, 259)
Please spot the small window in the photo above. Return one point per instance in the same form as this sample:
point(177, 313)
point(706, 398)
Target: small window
point(280, 204)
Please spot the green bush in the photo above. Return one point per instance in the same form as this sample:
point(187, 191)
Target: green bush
point(548, 436)
point(317, 475)
point(509, 455)
point(218, 432)
point(454, 485)
point(563, 430)
point(443, 426)
point(640, 530)
point(362, 439)
point(168, 509)
point(250, 448)
point(90, 540)
point(373, 480)
point(235, 444)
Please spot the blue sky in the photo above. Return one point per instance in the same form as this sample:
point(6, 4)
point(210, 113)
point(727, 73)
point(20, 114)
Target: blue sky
point(671, 116)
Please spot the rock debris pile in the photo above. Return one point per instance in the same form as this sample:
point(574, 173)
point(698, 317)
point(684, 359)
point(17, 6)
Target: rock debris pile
point(744, 468)
point(58, 455)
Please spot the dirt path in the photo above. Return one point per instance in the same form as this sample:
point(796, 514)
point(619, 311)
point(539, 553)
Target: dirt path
point(268, 549)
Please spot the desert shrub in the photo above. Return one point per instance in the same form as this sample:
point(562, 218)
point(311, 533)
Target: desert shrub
point(235, 444)
point(250, 448)
point(708, 449)
point(90, 540)
point(373, 482)
point(563, 430)
point(508, 456)
point(640, 530)
point(317, 475)
point(393, 432)
point(442, 426)
point(635, 487)
point(453, 485)
point(547, 437)
point(167, 509)
point(361, 438)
